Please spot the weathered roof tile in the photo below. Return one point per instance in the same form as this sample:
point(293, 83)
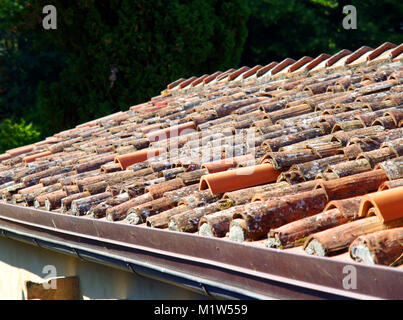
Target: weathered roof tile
point(272, 149)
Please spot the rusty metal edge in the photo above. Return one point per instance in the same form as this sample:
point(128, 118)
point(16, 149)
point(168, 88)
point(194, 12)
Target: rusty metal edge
point(85, 253)
point(300, 270)
point(170, 270)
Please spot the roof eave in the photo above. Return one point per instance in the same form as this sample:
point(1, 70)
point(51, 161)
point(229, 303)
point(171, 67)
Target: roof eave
point(213, 262)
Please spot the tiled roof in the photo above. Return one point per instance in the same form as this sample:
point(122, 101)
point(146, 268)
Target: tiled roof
point(303, 153)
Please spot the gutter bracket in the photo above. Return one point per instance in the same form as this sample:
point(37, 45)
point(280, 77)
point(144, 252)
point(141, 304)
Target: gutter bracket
point(206, 291)
point(130, 266)
point(78, 254)
point(36, 242)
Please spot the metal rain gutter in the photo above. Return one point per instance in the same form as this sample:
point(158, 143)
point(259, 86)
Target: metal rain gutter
point(212, 289)
point(216, 266)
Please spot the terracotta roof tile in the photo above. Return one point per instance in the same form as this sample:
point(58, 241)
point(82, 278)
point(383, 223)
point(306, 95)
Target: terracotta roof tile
point(251, 71)
point(248, 154)
point(319, 59)
point(322, 66)
point(381, 49)
point(382, 247)
point(240, 178)
point(295, 233)
point(338, 239)
point(235, 74)
point(279, 67)
point(386, 205)
point(301, 63)
point(356, 54)
point(265, 69)
point(260, 217)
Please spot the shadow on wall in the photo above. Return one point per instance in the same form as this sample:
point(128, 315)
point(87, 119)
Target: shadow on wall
point(22, 262)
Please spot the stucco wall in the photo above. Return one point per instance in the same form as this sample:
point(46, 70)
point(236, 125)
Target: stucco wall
point(20, 262)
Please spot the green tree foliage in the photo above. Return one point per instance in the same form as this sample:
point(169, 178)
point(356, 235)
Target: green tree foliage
point(22, 66)
point(277, 31)
point(108, 55)
point(14, 134)
point(147, 43)
point(296, 28)
point(377, 22)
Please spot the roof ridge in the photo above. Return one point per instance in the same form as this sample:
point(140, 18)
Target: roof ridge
point(290, 68)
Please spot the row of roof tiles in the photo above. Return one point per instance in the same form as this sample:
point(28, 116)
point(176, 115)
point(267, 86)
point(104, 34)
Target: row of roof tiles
point(256, 161)
point(291, 68)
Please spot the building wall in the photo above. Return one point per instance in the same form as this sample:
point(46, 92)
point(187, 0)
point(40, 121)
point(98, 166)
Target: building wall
point(20, 262)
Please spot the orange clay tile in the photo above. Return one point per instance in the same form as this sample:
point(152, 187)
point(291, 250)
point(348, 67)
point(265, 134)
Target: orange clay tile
point(5, 156)
point(333, 59)
point(261, 216)
point(329, 61)
point(31, 188)
point(391, 184)
point(383, 247)
point(52, 139)
point(354, 185)
point(294, 233)
point(283, 64)
point(225, 164)
point(212, 77)
point(382, 48)
point(128, 159)
point(236, 179)
point(175, 83)
point(154, 126)
point(387, 205)
point(225, 74)
point(238, 72)
point(187, 82)
point(87, 124)
point(398, 58)
point(348, 207)
point(396, 51)
point(159, 105)
point(384, 56)
point(346, 96)
point(265, 69)
point(358, 53)
point(299, 64)
point(199, 80)
point(20, 150)
point(360, 60)
point(47, 141)
point(170, 132)
point(252, 71)
point(36, 156)
point(322, 57)
point(141, 106)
